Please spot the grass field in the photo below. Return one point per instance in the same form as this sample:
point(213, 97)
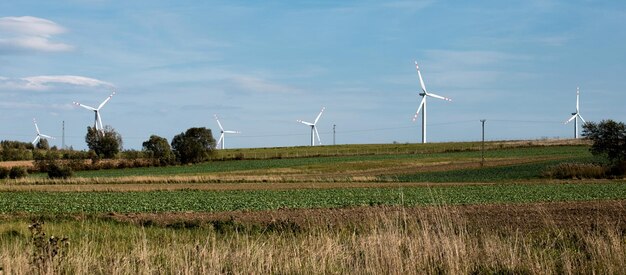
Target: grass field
point(461, 166)
point(399, 208)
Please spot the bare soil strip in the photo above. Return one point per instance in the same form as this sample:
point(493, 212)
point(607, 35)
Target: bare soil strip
point(585, 215)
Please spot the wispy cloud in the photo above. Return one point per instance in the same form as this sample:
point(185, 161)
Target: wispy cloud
point(27, 33)
point(261, 85)
point(44, 82)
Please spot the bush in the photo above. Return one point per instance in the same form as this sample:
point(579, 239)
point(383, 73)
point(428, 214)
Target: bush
point(575, 171)
point(618, 169)
point(4, 172)
point(17, 172)
point(56, 171)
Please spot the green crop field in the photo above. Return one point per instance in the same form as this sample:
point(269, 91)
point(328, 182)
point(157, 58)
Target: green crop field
point(208, 201)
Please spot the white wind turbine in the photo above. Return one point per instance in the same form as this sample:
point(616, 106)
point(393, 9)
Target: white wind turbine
point(422, 105)
point(576, 115)
point(314, 129)
point(39, 134)
point(221, 141)
point(98, 119)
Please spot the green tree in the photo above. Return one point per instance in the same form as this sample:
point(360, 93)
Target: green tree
point(43, 144)
point(193, 146)
point(609, 139)
point(106, 143)
point(159, 149)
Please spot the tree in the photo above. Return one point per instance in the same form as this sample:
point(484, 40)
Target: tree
point(42, 144)
point(193, 146)
point(159, 149)
point(106, 143)
point(609, 139)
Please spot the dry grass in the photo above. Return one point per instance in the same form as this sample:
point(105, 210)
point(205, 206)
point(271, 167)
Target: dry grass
point(432, 242)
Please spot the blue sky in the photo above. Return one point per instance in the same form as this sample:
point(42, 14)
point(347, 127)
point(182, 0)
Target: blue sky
point(263, 65)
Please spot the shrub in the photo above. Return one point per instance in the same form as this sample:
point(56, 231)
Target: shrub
point(575, 171)
point(4, 172)
point(57, 171)
point(17, 172)
point(618, 169)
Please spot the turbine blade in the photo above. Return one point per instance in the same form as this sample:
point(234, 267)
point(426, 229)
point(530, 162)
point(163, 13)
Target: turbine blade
point(35, 141)
point(106, 100)
point(36, 127)
point(100, 120)
point(438, 96)
point(419, 108)
point(232, 132)
point(319, 141)
point(318, 116)
point(572, 118)
point(85, 106)
point(305, 123)
point(218, 123)
point(419, 74)
point(577, 98)
point(219, 141)
point(47, 136)
point(581, 118)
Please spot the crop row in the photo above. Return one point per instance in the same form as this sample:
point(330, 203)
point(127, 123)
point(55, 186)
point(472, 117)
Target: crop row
point(209, 201)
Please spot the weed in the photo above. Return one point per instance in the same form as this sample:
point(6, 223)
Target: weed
point(574, 171)
point(46, 251)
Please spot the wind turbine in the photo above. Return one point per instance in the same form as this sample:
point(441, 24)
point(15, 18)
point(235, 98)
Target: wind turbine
point(422, 105)
point(39, 134)
point(314, 129)
point(221, 141)
point(98, 119)
point(576, 115)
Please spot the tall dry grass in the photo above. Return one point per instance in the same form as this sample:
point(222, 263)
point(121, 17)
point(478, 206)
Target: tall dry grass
point(431, 243)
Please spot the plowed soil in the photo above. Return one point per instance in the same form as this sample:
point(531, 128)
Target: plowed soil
point(584, 215)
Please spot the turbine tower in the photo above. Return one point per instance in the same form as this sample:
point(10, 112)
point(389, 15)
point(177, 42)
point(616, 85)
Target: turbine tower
point(39, 134)
point(221, 141)
point(576, 115)
point(98, 118)
point(422, 106)
point(314, 129)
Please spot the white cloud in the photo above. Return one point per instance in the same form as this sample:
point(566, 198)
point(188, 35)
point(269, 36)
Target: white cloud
point(27, 33)
point(255, 84)
point(44, 82)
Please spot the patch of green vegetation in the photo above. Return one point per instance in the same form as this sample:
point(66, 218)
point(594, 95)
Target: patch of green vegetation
point(488, 174)
point(209, 201)
point(244, 165)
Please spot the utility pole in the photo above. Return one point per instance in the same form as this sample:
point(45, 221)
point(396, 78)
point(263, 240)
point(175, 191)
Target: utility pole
point(63, 137)
point(482, 149)
point(334, 133)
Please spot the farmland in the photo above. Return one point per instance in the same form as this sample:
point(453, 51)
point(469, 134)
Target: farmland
point(398, 208)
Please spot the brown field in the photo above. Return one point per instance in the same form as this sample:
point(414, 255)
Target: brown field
point(584, 215)
point(23, 163)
